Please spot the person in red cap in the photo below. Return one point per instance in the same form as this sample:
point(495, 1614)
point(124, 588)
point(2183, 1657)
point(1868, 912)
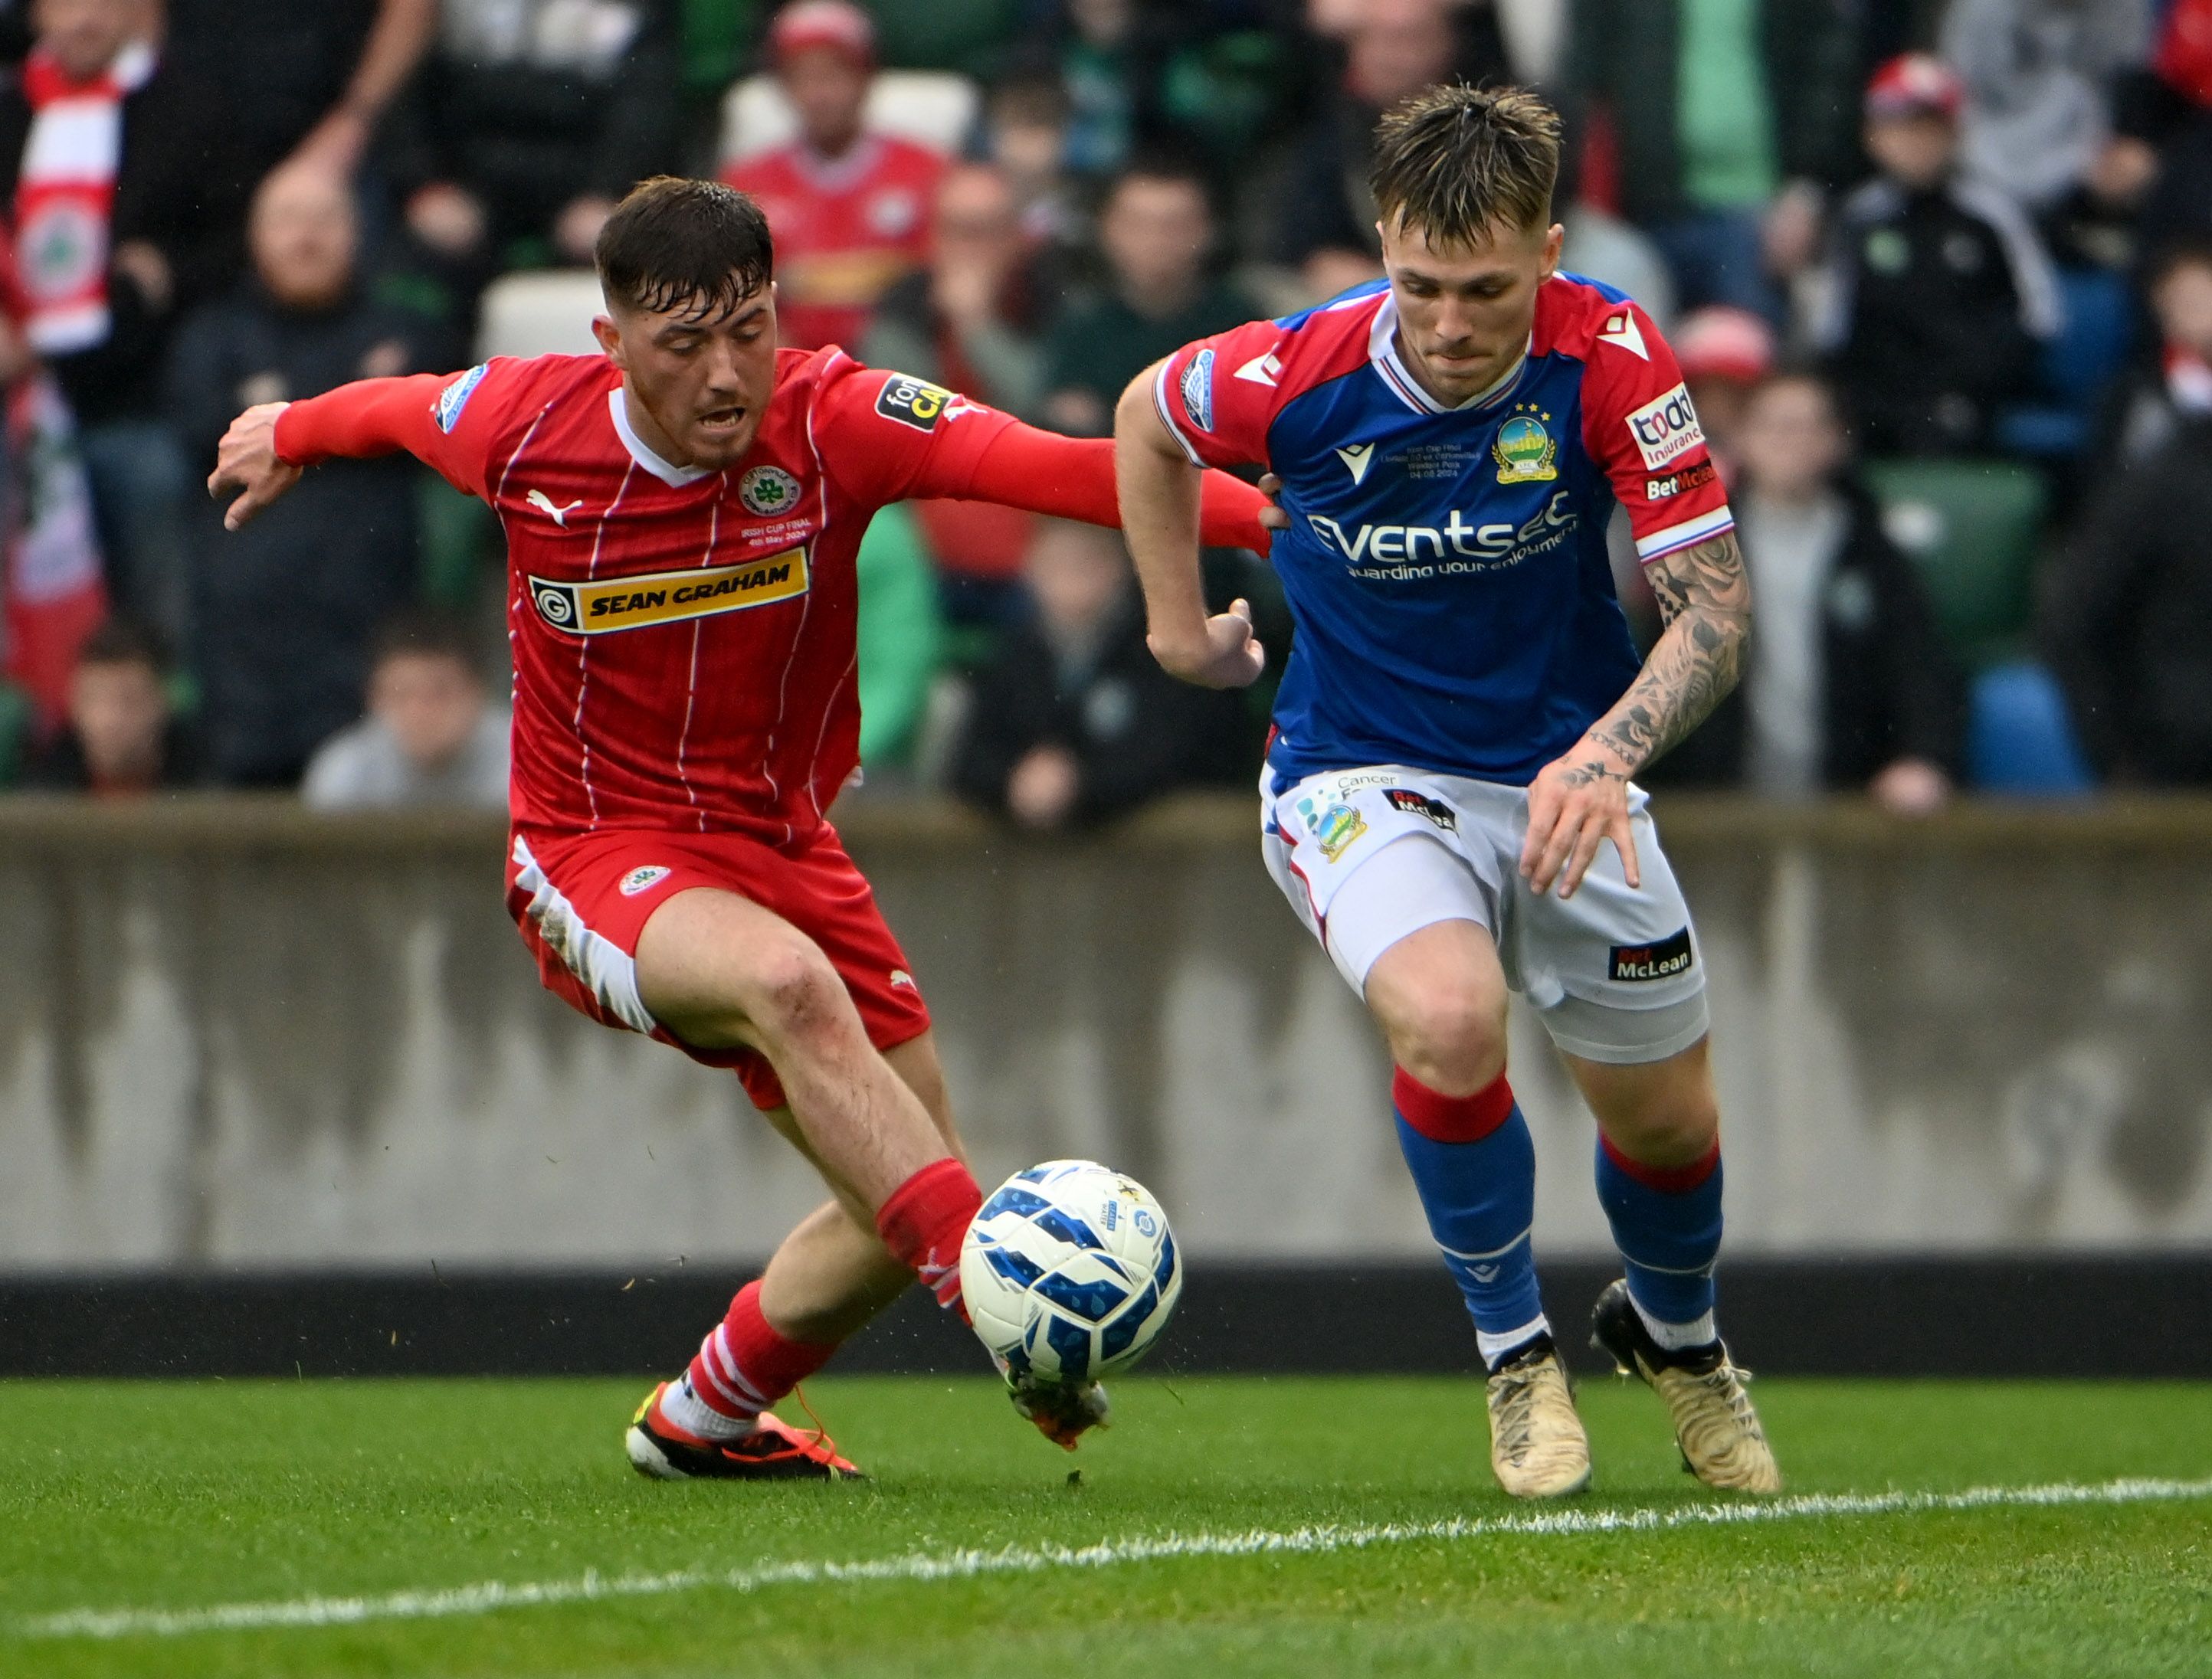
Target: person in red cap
point(1939, 291)
point(850, 209)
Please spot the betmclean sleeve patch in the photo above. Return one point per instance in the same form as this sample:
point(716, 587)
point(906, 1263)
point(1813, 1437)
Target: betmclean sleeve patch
point(1639, 424)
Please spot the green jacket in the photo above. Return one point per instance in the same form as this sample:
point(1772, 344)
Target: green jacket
point(901, 636)
point(1621, 56)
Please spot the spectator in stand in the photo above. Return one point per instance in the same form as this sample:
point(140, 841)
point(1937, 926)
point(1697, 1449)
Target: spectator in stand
point(1726, 123)
point(1102, 66)
point(1076, 722)
point(1723, 353)
point(2128, 615)
point(1024, 132)
point(432, 736)
point(850, 209)
point(1325, 223)
point(2176, 386)
point(1848, 686)
point(2039, 78)
point(1157, 233)
point(118, 166)
point(973, 322)
point(286, 606)
point(529, 119)
point(1938, 292)
point(305, 79)
point(123, 739)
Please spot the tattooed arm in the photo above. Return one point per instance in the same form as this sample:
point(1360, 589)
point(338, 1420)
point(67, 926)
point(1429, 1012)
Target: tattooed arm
point(1581, 798)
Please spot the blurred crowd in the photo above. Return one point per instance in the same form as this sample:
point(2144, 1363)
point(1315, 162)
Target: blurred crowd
point(1939, 275)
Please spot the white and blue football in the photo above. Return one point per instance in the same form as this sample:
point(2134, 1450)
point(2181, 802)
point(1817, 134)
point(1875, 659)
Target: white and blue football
point(1070, 1271)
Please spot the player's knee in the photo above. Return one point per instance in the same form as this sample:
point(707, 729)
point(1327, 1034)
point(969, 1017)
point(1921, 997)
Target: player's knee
point(1450, 1036)
point(1672, 1131)
point(789, 990)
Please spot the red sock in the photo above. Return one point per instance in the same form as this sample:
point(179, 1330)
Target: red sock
point(744, 1367)
point(923, 1222)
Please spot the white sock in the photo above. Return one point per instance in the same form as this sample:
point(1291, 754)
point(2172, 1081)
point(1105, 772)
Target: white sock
point(688, 1412)
point(1491, 1345)
point(1676, 1337)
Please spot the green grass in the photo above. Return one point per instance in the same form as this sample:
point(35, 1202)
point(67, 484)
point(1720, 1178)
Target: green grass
point(181, 1496)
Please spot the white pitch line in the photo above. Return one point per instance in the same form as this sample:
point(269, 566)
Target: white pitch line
point(959, 1565)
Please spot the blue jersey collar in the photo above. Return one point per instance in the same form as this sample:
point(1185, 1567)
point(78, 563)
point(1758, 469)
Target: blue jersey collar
point(1383, 354)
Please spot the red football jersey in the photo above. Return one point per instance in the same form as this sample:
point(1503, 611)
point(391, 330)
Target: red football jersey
point(683, 638)
point(845, 229)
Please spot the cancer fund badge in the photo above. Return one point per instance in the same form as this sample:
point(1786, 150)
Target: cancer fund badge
point(1525, 449)
point(1334, 829)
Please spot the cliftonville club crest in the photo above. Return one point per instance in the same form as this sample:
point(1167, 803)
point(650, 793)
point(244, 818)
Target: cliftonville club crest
point(1525, 450)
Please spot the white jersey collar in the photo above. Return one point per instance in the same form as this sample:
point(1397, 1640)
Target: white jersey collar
point(1383, 353)
point(675, 476)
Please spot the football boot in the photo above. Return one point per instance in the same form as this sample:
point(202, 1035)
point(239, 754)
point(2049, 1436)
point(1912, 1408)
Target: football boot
point(773, 1450)
point(1537, 1445)
point(1723, 1443)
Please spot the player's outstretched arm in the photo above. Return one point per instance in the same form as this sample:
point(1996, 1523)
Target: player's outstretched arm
point(1581, 798)
point(263, 453)
point(1159, 496)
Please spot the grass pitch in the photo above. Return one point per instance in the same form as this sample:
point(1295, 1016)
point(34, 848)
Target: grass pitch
point(1333, 1527)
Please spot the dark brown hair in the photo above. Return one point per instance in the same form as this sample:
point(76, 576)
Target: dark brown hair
point(697, 248)
point(418, 632)
point(1460, 162)
point(126, 641)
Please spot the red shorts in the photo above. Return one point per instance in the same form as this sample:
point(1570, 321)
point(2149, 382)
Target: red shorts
point(581, 899)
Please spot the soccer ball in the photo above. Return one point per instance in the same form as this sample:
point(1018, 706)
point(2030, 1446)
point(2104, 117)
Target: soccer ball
point(1070, 1271)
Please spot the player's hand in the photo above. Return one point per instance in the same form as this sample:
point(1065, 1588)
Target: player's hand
point(1226, 655)
point(245, 462)
point(1576, 803)
point(1273, 518)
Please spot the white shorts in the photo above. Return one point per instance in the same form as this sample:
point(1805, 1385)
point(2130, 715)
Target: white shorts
point(1368, 856)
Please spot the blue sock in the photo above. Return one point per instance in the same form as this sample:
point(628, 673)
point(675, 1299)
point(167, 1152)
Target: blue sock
point(1474, 1165)
point(1667, 1224)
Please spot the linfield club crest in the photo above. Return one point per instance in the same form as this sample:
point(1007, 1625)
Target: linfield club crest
point(1335, 827)
point(1525, 450)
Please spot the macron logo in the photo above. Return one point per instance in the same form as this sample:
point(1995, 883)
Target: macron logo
point(1261, 370)
point(1621, 332)
point(544, 503)
point(1356, 460)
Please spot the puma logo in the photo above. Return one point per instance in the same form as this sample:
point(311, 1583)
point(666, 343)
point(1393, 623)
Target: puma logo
point(544, 503)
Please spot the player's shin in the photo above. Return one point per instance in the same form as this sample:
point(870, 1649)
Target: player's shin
point(922, 1223)
point(1666, 1223)
point(1474, 1166)
point(742, 1367)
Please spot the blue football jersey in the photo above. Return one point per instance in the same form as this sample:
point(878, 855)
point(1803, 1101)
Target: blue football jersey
point(1446, 568)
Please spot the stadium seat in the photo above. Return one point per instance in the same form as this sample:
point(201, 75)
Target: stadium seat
point(547, 313)
point(935, 107)
point(1972, 527)
point(2076, 369)
point(2020, 738)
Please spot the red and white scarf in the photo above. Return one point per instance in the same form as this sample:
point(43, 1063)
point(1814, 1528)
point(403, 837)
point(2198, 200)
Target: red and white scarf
point(65, 196)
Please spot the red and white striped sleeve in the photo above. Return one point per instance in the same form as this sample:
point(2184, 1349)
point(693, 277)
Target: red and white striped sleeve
point(1639, 425)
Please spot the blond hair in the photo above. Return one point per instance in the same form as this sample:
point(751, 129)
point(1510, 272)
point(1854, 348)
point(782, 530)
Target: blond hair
point(1460, 162)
